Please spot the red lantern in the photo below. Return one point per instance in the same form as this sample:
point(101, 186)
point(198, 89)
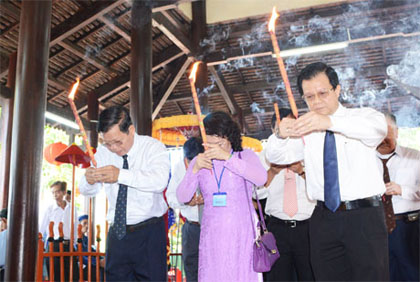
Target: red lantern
point(52, 151)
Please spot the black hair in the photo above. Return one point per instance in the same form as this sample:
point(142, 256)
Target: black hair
point(391, 117)
point(112, 116)
point(3, 213)
point(221, 124)
point(193, 147)
point(284, 112)
point(69, 192)
point(61, 184)
point(311, 70)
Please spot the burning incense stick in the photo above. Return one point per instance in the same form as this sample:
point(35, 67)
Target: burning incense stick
point(196, 104)
point(271, 29)
point(79, 122)
point(276, 110)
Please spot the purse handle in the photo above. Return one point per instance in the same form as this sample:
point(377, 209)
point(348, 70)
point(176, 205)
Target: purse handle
point(261, 222)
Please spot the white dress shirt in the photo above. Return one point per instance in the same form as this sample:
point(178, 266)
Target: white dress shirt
point(178, 173)
point(404, 169)
point(57, 214)
point(3, 247)
point(287, 154)
point(357, 134)
point(146, 179)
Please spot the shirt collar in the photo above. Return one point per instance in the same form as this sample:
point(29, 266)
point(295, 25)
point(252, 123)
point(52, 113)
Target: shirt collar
point(134, 148)
point(56, 206)
point(397, 152)
point(340, 110)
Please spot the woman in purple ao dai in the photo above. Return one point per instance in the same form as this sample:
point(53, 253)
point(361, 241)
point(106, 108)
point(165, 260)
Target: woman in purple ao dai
point(225, 174)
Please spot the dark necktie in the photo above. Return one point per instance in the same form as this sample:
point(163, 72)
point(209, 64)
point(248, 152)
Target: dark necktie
point(387, 200)
point(120, 217)
point(331, 185)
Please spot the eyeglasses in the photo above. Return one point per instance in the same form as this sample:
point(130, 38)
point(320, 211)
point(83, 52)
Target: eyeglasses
point(323, 94)
point(113, 144)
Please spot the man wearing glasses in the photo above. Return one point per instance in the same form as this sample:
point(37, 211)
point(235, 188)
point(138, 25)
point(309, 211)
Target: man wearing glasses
point(134, 171)
point(347, 230)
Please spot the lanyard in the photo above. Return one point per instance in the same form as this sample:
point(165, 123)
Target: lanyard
point(218, 181)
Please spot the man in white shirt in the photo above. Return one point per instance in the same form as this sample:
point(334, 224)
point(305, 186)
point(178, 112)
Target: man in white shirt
point(347, 229)
point(289, 208)
point(191, 228)
point(134, 170)
point(402, 180)
point(60, 211)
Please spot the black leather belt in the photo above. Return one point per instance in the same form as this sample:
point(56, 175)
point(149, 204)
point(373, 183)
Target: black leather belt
point(134, 227)
point(408, 216)
point(193, 222)
point(374, 201)
point(289, 223)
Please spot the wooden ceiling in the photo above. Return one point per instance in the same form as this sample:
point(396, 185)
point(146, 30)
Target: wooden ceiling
point(91, 40)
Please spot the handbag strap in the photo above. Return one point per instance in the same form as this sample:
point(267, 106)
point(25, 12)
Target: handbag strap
point(261, 222)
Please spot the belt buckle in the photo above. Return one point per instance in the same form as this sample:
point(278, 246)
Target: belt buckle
point(293, 222)
point(412, 216)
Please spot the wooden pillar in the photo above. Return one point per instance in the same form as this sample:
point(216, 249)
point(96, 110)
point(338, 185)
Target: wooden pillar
point(28, 124)
point(141, 66)
point(199, 32)
point(6, 123)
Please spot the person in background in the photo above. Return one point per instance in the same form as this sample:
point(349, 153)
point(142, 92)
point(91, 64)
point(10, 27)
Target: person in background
point(134, 170)
point(190, 210)
point(84, 222)
point(401, 171)
point(289, 208)
point(347, 229)
point(3, 242)
point(60, 211)
point(68, 196)
point(225, 174)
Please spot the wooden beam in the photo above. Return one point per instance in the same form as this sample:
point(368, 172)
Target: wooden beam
point(171, 85)
point(227, 96)
point(78, 51)
point(166, 56)
point(11, 9)
point(175, 35)
point(81, 19)
point(116, 27)
point(178, 106)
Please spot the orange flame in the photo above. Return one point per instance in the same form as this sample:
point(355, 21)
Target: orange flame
point(74, 88)
point(194, 71)
point(272, 23)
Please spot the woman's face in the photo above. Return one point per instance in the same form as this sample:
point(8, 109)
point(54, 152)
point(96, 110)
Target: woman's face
point(223, 142)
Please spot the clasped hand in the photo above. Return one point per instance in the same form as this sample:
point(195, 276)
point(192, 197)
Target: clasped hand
point(106, 174)
point(213, 152)
point(305, 124)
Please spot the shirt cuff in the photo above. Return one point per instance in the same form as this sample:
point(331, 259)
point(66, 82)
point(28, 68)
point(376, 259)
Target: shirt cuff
point(123, 177)
point(338, 124)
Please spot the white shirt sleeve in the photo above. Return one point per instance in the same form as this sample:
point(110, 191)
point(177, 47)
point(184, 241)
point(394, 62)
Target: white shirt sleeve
point(366, 124)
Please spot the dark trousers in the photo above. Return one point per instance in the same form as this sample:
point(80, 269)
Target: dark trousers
point(190, 242)
point(404, 251)
point(349, 245)
point(293, 245)
point(66, 248)
point(139, 256)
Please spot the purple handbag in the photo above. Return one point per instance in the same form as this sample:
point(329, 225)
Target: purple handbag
point(265, 252)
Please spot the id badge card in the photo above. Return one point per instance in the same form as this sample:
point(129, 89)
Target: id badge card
point(219, 199)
